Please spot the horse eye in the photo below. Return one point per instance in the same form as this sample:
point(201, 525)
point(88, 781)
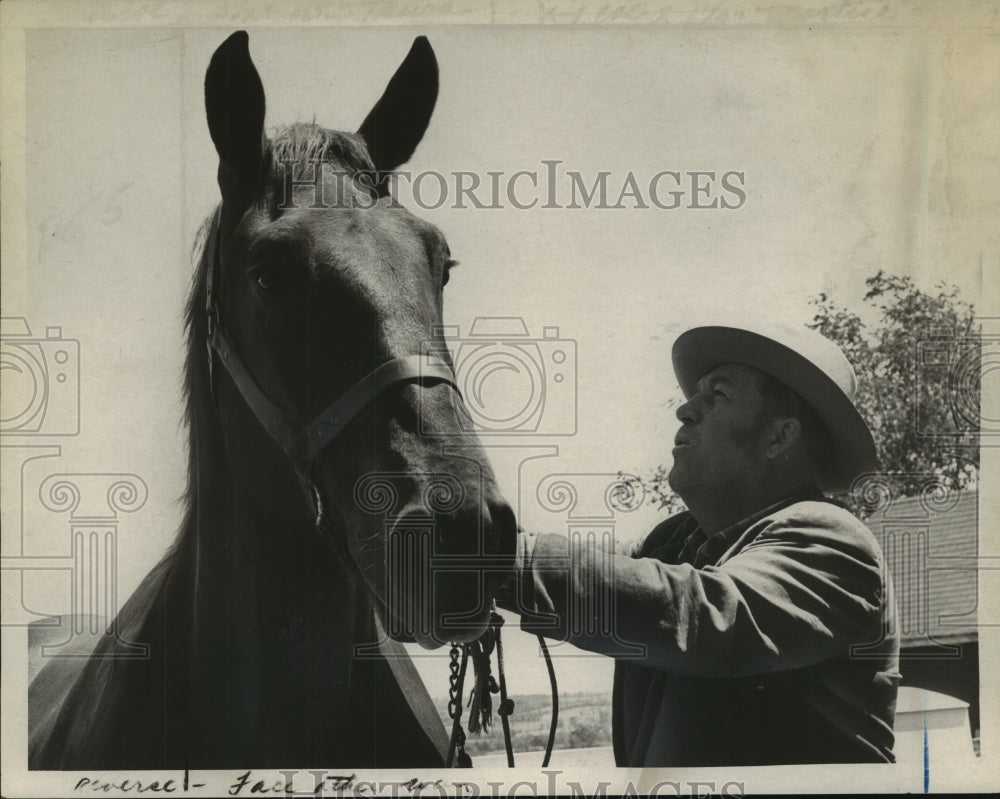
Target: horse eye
point(271, 279)
point(446, 275)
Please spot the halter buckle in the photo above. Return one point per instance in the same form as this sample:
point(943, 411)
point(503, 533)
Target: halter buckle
point(212, 318)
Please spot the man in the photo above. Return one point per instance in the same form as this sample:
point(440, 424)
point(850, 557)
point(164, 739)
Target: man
point(757, 627)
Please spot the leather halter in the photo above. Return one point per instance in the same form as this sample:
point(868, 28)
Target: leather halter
point(304, 444)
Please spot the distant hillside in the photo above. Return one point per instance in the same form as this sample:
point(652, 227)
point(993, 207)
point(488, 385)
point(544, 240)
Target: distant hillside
point(584, 720)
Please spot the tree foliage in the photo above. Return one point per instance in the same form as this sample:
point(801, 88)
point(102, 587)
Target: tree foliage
point(919, 370)
point(918, 364)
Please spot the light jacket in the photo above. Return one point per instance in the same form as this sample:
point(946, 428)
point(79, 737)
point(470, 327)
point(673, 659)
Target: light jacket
point(771, 642)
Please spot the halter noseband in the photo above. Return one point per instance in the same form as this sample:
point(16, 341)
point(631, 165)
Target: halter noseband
point(304, 444)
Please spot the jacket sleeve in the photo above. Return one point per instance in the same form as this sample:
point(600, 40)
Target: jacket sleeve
point(807, 587)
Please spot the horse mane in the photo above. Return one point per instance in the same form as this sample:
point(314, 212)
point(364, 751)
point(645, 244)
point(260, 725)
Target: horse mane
point(199, 408)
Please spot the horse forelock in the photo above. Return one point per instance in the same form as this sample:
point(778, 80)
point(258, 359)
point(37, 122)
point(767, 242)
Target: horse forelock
point(306, 143)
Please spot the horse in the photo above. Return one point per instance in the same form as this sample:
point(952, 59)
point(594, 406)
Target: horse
point(338, 501)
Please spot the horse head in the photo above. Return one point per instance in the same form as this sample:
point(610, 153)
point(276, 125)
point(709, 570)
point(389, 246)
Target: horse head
point(321, 292)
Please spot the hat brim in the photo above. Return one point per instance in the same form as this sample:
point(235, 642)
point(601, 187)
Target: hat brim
point(699, 350)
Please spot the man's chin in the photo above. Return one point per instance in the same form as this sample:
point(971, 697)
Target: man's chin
point(675, 479)
point(681, 483)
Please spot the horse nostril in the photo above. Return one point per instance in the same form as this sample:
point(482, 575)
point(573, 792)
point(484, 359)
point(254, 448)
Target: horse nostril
point(489, 528)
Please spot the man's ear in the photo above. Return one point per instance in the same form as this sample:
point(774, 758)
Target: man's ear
point(785, 432)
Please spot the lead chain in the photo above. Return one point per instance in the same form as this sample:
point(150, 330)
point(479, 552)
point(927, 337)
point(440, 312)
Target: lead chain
point(453, 683)
point(456, 680)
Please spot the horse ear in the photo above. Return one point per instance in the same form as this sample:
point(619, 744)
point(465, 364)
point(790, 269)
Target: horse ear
point(234, 105)
point(394, 127)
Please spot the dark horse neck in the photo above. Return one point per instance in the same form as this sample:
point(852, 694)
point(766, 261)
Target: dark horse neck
point(251, 624)
point(274, 619)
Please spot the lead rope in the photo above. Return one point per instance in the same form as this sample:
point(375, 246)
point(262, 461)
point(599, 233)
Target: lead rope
point(480, 702)
point(506, 705)
point(555, 701)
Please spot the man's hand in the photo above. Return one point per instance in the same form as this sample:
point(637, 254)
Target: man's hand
point(507, 594)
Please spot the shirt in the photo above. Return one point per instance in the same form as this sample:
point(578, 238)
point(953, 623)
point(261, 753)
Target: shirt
point(771, 642)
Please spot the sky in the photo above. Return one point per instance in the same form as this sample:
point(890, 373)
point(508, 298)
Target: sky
point(856, 149)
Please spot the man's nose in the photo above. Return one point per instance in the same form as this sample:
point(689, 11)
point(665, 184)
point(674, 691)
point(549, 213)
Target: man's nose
point(688, 412)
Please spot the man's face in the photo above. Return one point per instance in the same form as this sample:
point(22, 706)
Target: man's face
point(722, 443)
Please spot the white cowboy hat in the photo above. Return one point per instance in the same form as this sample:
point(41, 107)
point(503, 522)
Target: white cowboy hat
point(808, 363)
